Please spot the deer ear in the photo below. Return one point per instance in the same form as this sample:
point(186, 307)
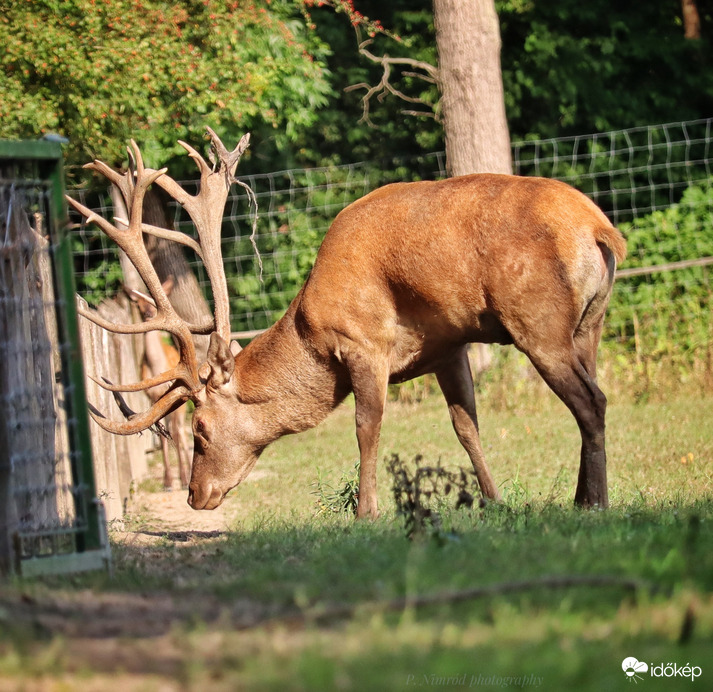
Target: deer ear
point(220, 360)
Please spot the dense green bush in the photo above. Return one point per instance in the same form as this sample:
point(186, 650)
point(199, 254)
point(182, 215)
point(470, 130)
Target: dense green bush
point(677, 302)
point(661, 321)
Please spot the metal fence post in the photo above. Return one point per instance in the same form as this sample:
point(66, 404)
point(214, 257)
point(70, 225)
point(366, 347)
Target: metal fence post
point(77, 539)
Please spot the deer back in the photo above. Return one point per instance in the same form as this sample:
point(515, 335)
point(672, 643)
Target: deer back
point(413, 268)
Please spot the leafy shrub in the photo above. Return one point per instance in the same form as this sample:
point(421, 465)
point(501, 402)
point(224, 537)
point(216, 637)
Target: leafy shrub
point(659, 313)
point(658, 332)
point(420, 495)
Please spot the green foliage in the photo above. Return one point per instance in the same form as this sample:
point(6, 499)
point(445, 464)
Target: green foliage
point(572, 68)
point(682, 231)
point(567, 69)
point(339, 135)
point(340, 499)
point(667, 314)
point(100, 281)
point(102, 73)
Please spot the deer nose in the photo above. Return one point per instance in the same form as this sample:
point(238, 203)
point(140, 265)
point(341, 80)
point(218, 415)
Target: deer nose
point(204, 496)
point(198, 495)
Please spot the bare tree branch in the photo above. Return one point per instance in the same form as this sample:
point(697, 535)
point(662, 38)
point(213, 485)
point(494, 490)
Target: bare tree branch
point(411, 62)
point(422, 114)
point(428, 73)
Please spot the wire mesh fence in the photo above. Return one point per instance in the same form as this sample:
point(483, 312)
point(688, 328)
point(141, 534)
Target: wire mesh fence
point(49, 519)
point(628, 173)
point(295, 209)
point(653, 182)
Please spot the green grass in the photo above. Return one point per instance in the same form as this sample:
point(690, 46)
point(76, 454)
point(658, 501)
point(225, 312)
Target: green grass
point(292, 599)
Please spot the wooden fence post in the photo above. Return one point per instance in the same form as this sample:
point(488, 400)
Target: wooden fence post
point(118, 459)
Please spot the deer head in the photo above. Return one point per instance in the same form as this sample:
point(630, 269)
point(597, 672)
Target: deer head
point(205, 384)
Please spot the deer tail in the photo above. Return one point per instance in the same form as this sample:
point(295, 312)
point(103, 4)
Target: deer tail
point(614, 240)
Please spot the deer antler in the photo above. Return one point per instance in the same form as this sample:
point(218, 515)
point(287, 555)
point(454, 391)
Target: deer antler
point(206, 211)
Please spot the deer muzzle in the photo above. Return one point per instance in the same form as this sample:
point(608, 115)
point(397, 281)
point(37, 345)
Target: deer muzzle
point(204, 496)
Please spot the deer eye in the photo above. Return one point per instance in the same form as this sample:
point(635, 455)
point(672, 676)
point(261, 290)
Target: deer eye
point(200, 427)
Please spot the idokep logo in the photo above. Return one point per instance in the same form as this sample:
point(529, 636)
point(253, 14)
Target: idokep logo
point(634, 668)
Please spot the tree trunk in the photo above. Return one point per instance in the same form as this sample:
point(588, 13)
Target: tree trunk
point(470, 81)
point(472, 99)
point(691, 19)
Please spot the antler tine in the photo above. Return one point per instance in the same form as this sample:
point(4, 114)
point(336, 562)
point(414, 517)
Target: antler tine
point(206, 211)
point(229, 159)
point(154, 324)
point(141, 421)
point(203, 167)
point(176, 373)
point(114, 176)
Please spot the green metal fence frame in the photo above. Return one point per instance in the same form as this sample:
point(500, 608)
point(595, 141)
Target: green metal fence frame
point(91, 545)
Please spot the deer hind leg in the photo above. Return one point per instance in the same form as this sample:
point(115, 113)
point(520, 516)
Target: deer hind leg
point(369, 383)
point(571, 374)
point(456, 383)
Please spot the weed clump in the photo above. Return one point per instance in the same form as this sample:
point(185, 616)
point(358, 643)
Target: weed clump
point(421, 495)
point(340, 499)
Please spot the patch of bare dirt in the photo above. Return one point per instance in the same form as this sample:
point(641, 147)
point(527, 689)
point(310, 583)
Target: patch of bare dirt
point(168, 512)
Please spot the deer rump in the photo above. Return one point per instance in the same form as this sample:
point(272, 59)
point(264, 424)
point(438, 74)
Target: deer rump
point(405, 279)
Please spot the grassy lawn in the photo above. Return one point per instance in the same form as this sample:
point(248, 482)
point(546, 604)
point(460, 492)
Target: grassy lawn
point(531, 594)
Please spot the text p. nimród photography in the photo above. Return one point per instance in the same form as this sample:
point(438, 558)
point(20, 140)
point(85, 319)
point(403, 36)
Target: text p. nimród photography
point(473, 680)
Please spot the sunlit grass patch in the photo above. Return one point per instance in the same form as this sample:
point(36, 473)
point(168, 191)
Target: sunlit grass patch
point(291, 597)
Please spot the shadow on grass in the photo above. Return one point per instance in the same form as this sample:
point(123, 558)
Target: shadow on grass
point(345, 601)
point(327, 570)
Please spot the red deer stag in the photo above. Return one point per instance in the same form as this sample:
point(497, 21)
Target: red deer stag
point(159, 356)
point(405, 279)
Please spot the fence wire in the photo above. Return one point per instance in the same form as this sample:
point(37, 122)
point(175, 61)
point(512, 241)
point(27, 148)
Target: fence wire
point(631, 174)
point(42, 495)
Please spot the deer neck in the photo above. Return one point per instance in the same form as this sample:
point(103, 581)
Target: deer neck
point(279, 370)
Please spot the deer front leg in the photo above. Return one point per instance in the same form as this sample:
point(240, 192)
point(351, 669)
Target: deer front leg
point(369, 382)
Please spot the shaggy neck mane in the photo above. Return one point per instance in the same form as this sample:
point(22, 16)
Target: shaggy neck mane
point(278, 370)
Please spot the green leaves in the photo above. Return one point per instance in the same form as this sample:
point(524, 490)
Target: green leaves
point(101, 73)
point(667, 314)
point(570, 68)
